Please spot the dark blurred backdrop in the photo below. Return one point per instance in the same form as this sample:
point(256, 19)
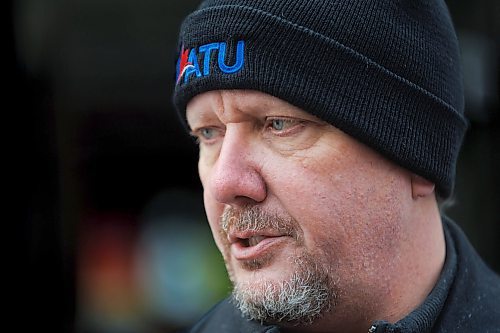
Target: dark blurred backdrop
point(109, 229)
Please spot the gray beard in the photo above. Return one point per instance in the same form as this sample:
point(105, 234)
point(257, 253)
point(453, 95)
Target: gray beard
point(299, 300)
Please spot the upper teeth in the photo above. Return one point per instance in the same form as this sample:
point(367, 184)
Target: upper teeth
point(252, 241)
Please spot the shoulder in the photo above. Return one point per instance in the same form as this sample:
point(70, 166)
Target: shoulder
point(224, 317)
point(473, 302)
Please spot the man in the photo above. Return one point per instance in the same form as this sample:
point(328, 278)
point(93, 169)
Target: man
point(328, 131)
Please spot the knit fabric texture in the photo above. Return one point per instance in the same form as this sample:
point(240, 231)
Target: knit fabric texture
point(386, 72)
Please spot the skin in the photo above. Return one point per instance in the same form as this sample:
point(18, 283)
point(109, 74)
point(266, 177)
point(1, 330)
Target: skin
point(372, 224)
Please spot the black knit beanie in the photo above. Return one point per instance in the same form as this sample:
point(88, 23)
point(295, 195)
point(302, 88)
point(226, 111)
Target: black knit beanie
point(386, 72)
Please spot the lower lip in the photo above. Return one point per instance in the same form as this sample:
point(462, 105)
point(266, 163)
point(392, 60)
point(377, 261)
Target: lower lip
point(241, 252)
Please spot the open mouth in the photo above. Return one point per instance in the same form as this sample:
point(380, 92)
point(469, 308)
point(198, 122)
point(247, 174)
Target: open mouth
point(252, 241)
point(250, 246)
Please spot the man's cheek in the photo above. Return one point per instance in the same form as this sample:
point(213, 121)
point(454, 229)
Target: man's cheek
point(214, 212)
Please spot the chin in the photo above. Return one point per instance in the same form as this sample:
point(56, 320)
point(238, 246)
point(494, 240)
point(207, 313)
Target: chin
point(296, 291)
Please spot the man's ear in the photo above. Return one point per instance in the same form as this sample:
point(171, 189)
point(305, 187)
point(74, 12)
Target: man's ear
point(421, 187)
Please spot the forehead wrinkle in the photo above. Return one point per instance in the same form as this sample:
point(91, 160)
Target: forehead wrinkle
point(248, 104)
point(252, 102)
point(260, 104)
point(233, 108)
point(241, 105)
point(218, 104)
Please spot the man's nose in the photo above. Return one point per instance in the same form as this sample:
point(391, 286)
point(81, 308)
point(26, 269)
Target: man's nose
point(236, 177)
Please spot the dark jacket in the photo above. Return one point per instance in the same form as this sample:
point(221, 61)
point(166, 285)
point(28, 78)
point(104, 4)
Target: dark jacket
point(466, 299)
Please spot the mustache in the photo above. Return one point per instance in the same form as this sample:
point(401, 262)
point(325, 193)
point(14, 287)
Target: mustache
point(256, 219)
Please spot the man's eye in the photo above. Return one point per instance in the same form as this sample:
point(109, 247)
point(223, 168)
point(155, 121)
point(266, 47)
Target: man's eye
point(282, 124)
point(278, 124)
point(207, 133)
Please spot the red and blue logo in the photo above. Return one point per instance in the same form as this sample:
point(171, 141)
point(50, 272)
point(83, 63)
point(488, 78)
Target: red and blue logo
point(189, 65)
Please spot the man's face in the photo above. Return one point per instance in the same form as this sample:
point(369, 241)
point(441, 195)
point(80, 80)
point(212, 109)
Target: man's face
point(296, 205)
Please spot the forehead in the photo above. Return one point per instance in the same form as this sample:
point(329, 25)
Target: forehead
point(227, 103)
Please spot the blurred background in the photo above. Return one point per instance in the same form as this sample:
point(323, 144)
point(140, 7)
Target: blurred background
point(109, 229)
